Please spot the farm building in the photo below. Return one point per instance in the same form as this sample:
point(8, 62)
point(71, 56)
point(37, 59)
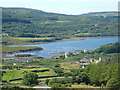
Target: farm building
point(105, 58)
point(83, 66)
point(86, 59)
point(26, 60)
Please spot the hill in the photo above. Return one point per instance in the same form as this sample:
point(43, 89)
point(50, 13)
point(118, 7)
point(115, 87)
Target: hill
point(104, 14)
point(25, 22)
point(109, 48)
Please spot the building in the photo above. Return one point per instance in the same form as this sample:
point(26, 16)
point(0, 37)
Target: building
point(26, 60)
point(78, 53)
point(17, 63)
point(83, 66)
point(86, 59)
point(85, 50)
point(105, 58)
point(66, 55)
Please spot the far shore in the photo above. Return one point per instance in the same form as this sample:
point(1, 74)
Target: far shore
point(72, 39)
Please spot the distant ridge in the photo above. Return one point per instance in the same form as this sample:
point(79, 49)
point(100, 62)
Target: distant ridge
point(26, 22)
point(108, 13)
point(22, 9)
point(114, 13)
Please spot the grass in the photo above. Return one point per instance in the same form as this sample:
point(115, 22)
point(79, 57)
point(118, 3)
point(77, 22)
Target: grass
point(6, 49)
point(13, 74)
point(83, 86)
point(25, 39)
point(20, 41)
point(69, 65)
point(54, 22)
point(14, 41)
point(63, 21)
point(83, 34)
point(47, 73)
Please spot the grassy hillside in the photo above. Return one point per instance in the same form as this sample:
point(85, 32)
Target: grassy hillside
point(109, 48)
point(24, 22)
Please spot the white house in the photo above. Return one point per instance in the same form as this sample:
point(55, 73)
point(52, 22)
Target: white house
point(66, 55)
point(85, 50)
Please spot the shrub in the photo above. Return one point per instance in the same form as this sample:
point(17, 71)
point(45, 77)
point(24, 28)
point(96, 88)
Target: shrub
point(113, 83)
point(30, 79)
point(82, 83)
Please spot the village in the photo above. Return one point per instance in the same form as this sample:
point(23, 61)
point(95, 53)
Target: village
point(65, 66)
point(83, 62)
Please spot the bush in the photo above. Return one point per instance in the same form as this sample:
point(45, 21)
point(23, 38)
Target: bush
point(94, 85)
point(47, 81)
point(82, 83)
point(113, 83)
point(30, 79)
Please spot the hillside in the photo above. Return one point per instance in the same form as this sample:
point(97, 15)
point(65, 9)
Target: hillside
point(104, 14)
point(25, 22)
point(109, 48)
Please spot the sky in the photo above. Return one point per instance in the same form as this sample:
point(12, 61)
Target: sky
point(71, 7)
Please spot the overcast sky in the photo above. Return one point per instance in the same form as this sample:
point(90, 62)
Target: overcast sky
point(64, 6)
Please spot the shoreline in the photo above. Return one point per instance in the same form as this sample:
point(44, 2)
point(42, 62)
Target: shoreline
point(72, 39)
point(27, 50)
point(63, 40)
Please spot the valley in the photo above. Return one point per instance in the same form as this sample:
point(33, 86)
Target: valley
point(52, 50)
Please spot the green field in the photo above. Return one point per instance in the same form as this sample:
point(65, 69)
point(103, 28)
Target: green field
point(14, 74)
point(22, 41)
point(15, 41)
point(25, 39)
point(6, 49)
point(83, 86)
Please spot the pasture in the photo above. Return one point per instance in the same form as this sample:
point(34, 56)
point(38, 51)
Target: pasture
point(84, 86)
point(14, 74)
point(21, 41)
point(6, 49)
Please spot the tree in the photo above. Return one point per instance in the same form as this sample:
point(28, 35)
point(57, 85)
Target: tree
point(83, 77)
point(113, 83)
point(62, 57)
point(73, 79)
point(47, 81)
point(30, 79)
point(52, 81)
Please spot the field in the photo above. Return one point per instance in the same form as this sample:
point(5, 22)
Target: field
point(14, 74)
point(70, 65)
point(83, 86)
point(25, 39)
point(15, 41)
point(6, 49)
point(22, 41)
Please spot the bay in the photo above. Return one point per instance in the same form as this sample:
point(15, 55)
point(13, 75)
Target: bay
point(67, 46)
